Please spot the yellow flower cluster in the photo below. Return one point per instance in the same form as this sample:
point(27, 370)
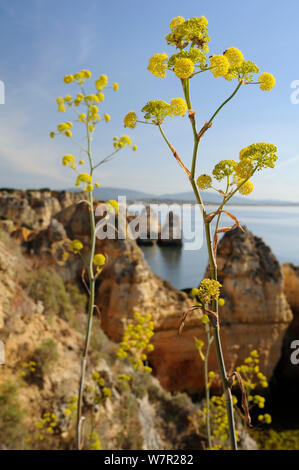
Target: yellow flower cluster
point(246, 187)
point(46, 425)
point(261, 154)
point(209, 290)
point(99, 260)
point(176, 22)
point(199, 344)
point(76, 246)
point(219, 421)
point(178, 107)
point(158, 110)
point(121, 141)
point(192, 30)
point(71, 407)
point(183, 67)
point(234, 56)
point(124, 377)
point(130, 120)
point(79, 77)
point(101, 391)
point(86, 179)
point(65, 128)
point(219, 65)
point(112, 206)
point(224, 168)
point(266, 418)
point(195, 55)
point(136, 341)
point(267, 81)
point(204, 182)
point(28, 367)
point(95, 443)
point(101, 82)
point(242, 71)
point(68, 160)
point(258, 400)
point(244, 169)
point(158, 65)
point(253, 378)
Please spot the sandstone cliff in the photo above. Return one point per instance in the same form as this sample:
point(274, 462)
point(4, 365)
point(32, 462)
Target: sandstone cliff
point(284, 385)
point(255, 316)
point(154, 419)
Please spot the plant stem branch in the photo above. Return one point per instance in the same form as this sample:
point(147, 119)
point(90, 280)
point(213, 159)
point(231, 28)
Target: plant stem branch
point(90, 305)
point(206, 372)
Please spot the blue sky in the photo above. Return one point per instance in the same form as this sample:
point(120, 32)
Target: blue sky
point(42, 40)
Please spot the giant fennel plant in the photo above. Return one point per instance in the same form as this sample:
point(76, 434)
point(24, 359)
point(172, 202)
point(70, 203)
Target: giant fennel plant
point(87, 109)
point(190, 38)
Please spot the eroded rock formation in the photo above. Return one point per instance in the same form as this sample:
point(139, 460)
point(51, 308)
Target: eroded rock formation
point(255, 316)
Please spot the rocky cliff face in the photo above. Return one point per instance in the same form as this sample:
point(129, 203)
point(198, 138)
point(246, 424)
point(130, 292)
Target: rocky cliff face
point(34, 209)
point(255, 316)
point(284, 385)
point(144, 417)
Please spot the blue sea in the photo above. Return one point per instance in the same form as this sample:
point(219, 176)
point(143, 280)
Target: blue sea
point(183, 267)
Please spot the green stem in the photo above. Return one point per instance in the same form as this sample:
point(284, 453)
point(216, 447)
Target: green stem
point(212, 260)
point(90, 305)
point(207, 388)
point(213, 268)
point(216, 336)
point(219, 215)
point(186, 88)
point(224, 103)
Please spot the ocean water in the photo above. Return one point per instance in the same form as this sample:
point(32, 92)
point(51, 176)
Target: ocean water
point(183, 267)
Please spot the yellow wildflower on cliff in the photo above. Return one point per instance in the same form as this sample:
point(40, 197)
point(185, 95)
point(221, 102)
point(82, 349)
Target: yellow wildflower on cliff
point(244, 168)
point(176, 22)
point(101, 82)
point(219, 65)
point(84, 178)
point(267, 81)
point(204, 182)
point(130, 120)
point(76, 246)
point(99, 260)
point(107, 117)
point(209, 290)
point(68, 78)
point(115, 86)
point(234, 56)
point(158, 65)
point(61, 108)
point(68, 160)
point(246, 188)
point(112, 205)
point(183, 67)
point(178, 106)
point(224, 168)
